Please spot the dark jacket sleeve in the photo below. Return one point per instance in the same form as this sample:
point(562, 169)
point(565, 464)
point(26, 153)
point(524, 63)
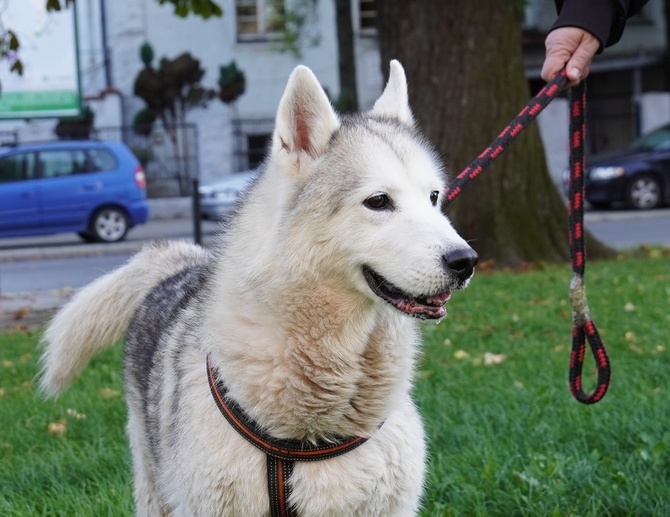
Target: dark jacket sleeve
point(605, 19)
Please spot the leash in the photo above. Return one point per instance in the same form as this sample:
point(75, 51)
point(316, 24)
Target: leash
point(583, 329)
point(281, 454)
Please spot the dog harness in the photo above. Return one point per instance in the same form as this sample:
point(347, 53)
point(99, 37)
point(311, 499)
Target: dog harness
point(583, 327)
point(281, 454)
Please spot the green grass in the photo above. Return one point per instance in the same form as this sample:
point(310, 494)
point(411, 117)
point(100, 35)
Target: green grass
point(67, 457)
point(506, 438)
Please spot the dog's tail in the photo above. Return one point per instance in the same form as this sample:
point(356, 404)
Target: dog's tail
point(98, 315)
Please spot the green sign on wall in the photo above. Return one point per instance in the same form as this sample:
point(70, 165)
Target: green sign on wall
point(49, 86)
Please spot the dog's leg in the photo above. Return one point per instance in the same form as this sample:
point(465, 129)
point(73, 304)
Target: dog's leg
point(147, 498)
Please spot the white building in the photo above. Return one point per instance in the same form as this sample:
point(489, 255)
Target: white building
point(111, 32)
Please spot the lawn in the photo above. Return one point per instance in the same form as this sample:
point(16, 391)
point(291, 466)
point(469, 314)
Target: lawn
point(506, 437)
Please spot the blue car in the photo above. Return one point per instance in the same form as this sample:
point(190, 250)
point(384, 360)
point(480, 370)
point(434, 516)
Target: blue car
point(637, 177)
point(96, 189)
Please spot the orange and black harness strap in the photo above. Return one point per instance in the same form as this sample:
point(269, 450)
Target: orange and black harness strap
point(280, 453)
point(583, 329)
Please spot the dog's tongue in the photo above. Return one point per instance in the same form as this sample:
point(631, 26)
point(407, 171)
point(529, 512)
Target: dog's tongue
point(431, 307)
point(439, 299)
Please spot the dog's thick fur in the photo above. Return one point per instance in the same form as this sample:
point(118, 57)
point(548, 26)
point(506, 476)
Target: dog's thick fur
point(303, 311)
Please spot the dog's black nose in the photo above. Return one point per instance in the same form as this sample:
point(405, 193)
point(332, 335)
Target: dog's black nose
point(462, 262)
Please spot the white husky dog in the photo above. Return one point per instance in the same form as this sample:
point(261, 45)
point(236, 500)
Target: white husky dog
point(299, 333)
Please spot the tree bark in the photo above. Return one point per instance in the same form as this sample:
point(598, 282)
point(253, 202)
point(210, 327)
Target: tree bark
point(466, 82)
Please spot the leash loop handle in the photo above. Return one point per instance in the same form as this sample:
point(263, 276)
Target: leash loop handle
point(583, 329)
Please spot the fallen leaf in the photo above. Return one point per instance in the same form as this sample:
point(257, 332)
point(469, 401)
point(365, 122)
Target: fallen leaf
point(21, 313)
point(486, 265)
point(57, 428)
point(490, 359)
point(107, 393)
point(18, 327)
point(74, 413)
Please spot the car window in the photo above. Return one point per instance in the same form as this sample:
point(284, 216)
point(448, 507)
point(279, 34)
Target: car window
point(17, 167)
point(56, 164)
point(655, 141)
point(101, 160)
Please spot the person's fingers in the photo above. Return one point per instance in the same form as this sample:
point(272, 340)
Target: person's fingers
point(559, 44)
point(579, 65)
point(552, 65)
point(572, 48)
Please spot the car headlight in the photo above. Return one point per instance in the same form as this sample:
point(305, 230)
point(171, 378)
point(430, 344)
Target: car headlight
point(226, 195)
point(605, 173)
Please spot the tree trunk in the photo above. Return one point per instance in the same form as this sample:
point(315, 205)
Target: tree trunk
point(466, 82)
point(348, 99)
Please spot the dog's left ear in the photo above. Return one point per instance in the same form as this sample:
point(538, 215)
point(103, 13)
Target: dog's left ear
point(305, 118)
point(394, 100)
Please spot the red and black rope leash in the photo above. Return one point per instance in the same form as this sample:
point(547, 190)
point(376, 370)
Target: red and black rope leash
point(584, 329)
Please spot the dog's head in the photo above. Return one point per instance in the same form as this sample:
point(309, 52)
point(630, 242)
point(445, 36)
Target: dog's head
point(361, 199)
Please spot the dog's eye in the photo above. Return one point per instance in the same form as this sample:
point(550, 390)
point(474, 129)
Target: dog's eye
point(433, 197)
point(378, 202)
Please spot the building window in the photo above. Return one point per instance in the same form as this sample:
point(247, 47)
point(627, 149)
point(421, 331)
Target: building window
point(367, 16)
point(257, 148)
point(258, 19)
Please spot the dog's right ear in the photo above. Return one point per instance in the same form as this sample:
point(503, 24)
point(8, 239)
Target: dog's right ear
point(394, 101)
point(305, 118)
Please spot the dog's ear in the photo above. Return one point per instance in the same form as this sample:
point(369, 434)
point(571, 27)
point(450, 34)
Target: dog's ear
point(394, 101)
point(305, 118)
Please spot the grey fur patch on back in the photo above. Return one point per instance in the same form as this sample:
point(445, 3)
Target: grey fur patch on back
point(154, 318)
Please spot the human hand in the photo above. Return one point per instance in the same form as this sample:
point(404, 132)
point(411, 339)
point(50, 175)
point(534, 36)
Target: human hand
point(571, 48)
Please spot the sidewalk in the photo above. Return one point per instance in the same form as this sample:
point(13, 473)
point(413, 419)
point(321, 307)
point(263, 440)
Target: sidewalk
point(169, 218)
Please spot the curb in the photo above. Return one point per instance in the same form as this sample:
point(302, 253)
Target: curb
point(170, 208)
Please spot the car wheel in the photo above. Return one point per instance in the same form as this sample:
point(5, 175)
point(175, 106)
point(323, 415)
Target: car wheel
point(109, 224)
point(644, 192)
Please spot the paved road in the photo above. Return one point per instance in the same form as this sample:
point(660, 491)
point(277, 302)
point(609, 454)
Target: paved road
point(630, 229)
point(42, 272)
point(69, 244)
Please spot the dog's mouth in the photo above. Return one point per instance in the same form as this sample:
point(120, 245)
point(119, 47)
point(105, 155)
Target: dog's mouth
point(425, 307)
